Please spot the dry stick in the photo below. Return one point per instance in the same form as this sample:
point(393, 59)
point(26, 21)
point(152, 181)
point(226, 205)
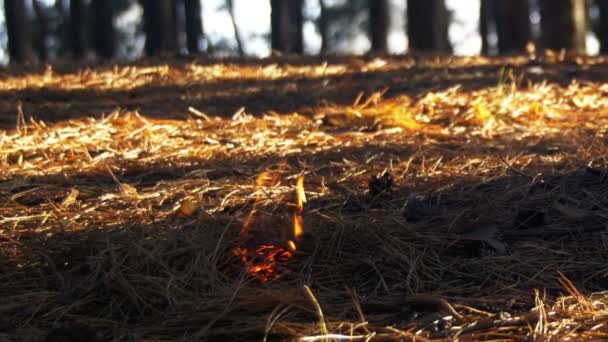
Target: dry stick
point(21, 120)
point(357, 305)
point(527, 319)
point(198, 113)
point(541, 324)
point(274, 317)
point(432, 301)
point(514, 169)
point(575, 292)
point(474, 310)
point(337, 337)
point(319, 311)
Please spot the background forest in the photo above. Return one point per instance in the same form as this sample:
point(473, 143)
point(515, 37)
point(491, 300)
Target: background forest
point(48, 30)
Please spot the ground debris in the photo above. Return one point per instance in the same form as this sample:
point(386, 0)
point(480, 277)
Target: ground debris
point(381, 183)
point(121, 209)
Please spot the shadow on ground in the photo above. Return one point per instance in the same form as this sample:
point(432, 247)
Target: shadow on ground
point(290, 94)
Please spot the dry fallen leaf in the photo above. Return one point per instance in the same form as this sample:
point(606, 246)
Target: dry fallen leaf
point(187, 208)
point(70, 198)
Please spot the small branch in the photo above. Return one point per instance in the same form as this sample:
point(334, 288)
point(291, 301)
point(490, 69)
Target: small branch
point(319, 312)
point(337, 337)
point(514, 169)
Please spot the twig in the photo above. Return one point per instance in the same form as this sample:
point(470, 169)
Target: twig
point(514, 169)
point(337, 337)
point(324, 330)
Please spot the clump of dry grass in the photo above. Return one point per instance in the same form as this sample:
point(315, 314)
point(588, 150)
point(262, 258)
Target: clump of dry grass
point(127, 224)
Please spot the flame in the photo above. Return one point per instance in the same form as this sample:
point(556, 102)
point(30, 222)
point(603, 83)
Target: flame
point(298, 231)
point(262, 261)
point(298, 228)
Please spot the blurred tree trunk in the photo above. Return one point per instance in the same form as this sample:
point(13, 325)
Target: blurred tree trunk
point(160, 25)
point(102, 24)
point(194, 25)
point(279, 25)
point(564, 24)
point(42, 32)
point(61, 30)
point(323, 26)
point(603, 25)
point(17, 27)
point(427, 26)
point(486, 20)
point(297, 25)
point(286, 26)
point(379, 22)
point(235, 28)
point(76, 27)
point(512, 25)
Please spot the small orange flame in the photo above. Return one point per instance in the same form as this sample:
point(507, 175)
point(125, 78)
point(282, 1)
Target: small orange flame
point(298, 231)
point(262, 260)
point(292, 245)
point(298, 228)
point(301, 193)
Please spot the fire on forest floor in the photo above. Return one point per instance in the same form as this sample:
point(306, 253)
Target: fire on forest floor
point(459, 213)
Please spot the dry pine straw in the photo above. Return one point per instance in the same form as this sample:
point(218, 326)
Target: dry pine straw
point(493, 226)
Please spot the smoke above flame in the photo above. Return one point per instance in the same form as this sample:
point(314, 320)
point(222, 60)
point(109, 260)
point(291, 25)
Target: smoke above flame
point(262, 259)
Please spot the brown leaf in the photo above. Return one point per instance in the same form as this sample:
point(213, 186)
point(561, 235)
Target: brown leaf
point(187, 208)
point(70, 198)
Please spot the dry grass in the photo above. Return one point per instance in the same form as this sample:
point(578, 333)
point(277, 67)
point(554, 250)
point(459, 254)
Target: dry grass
point(489, 222)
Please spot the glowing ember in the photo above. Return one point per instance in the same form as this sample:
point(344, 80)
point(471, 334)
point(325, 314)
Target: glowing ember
point(262, 260)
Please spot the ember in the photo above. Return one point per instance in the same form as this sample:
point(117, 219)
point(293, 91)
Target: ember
point(262, 260)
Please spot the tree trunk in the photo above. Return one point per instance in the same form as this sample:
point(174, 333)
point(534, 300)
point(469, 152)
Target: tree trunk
point(279, 25)
point(323, 26)
point(379, 22)
point(160, 25)
point(427, 26)
point(297, 25)
point(512, 25)
point(235, 28)
point(17, 27)
point(564, 24)
point(602, 33)
point(487, 20)
point(61, 30)
point(194, 25)
point(77, 31)
point(286, 26)
point(42, 32)
point(103, 32)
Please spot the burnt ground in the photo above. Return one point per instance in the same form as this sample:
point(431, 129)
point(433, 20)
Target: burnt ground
point(446, 197)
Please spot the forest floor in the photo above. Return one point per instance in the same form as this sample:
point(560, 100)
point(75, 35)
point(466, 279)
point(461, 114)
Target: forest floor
point(445, 198)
